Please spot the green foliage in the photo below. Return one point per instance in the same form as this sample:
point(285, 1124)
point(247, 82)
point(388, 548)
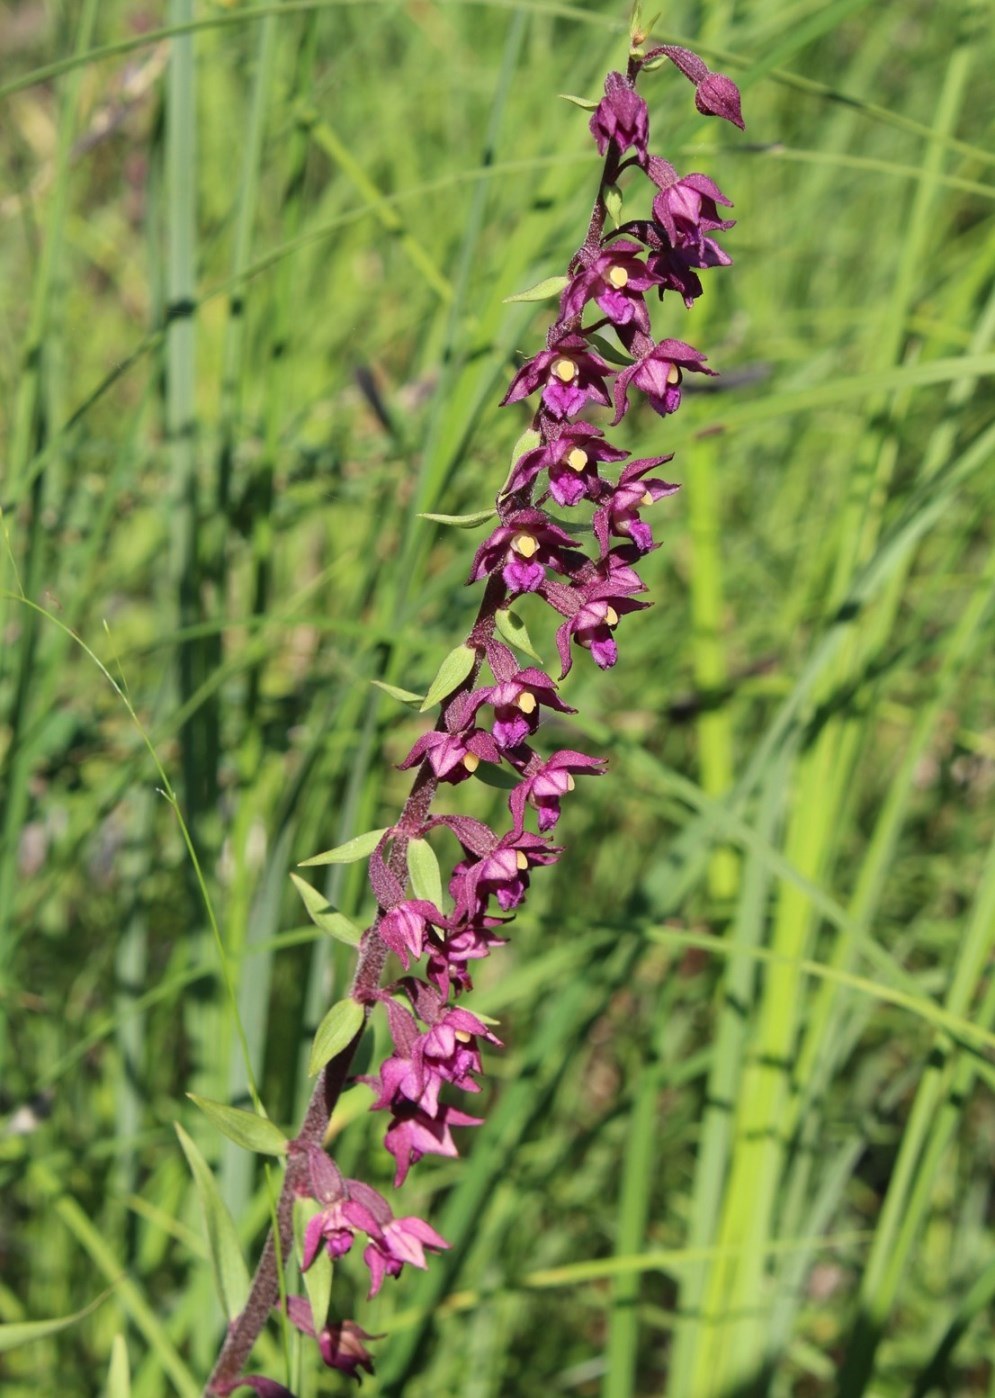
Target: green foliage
point(449, 676)
point(247, 1130)
point(339, 1026)
point(424, 872)
point(231, 1276)
point(253, 284)
point(323, 915)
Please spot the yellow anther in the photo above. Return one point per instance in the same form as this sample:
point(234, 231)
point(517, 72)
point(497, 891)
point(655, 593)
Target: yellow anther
point(647, 498)
point(525, 544)
point(577, 459)
point(570, 782)
point(471, 761)
point(618, 277)
point(673, 374)
point(520, 859)
point(611, 617)
point(462, 1036)
point(527, 701)
point(564, 369)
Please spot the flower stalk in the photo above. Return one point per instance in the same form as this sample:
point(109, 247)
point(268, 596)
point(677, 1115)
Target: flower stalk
point(561, 459)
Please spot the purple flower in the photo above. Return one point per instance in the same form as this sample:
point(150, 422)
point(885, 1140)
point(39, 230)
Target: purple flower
point(403, 1240)
point(450, 1044)
point(621, 118)
point(620, 512)
point(405, 1076)
point(471, 940)
point(403, 927)
point(446, 1052)
point(658, 374)
point(341, 1345)
point(615, 280)
point(675, 268)
point(686, 209)
point(592, 626)
point(351, 1207)
point(413, 1133)
point(523, 547)
point(348, 1206)
point(571, 459)
point(503, 873)
point(517, 702)
point(453, 756)
point(543, 788)
point(570, 374)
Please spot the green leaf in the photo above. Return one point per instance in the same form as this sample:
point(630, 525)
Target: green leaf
point(323, 915)
point(462, 521)
point(23, 1332)
point(528, 441)
point(609, 351)
point(336, 1030)
point(424, 871)
point(613, 203)
point(231, 1276)
point(498, 777)
point(246, 1129)
point(542, 291)
point(360, 847)
point(404, 696)
point(513, 629)
point(318, 1277)
point(119, 1374)
point(584, 102)
point(452, 672)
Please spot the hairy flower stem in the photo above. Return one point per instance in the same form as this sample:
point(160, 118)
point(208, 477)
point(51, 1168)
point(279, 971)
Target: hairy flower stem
point(264, 1292)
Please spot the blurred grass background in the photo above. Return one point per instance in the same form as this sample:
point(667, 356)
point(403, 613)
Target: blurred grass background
point(251, 282)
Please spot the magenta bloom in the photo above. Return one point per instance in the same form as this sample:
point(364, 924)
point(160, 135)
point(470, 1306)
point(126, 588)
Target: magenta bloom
point(341, 1345)
point(451, 1044)
point(353, 1207)
point(471, 940)
point(675, 267)
point(570, 374)
point(687, 208)
point(571, 460)
point(503, 873)
point(523, 547)
point(620, 512)
point(403, 927)
point(544, 788)
point(446, 1052)
point(403, 1240)
point(453, 756)
point(592, 627)
point(658, 375)
point(413, 1133)
point(615, 280)
point(517, 702)
point(621, 118)
point(348, 1207)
